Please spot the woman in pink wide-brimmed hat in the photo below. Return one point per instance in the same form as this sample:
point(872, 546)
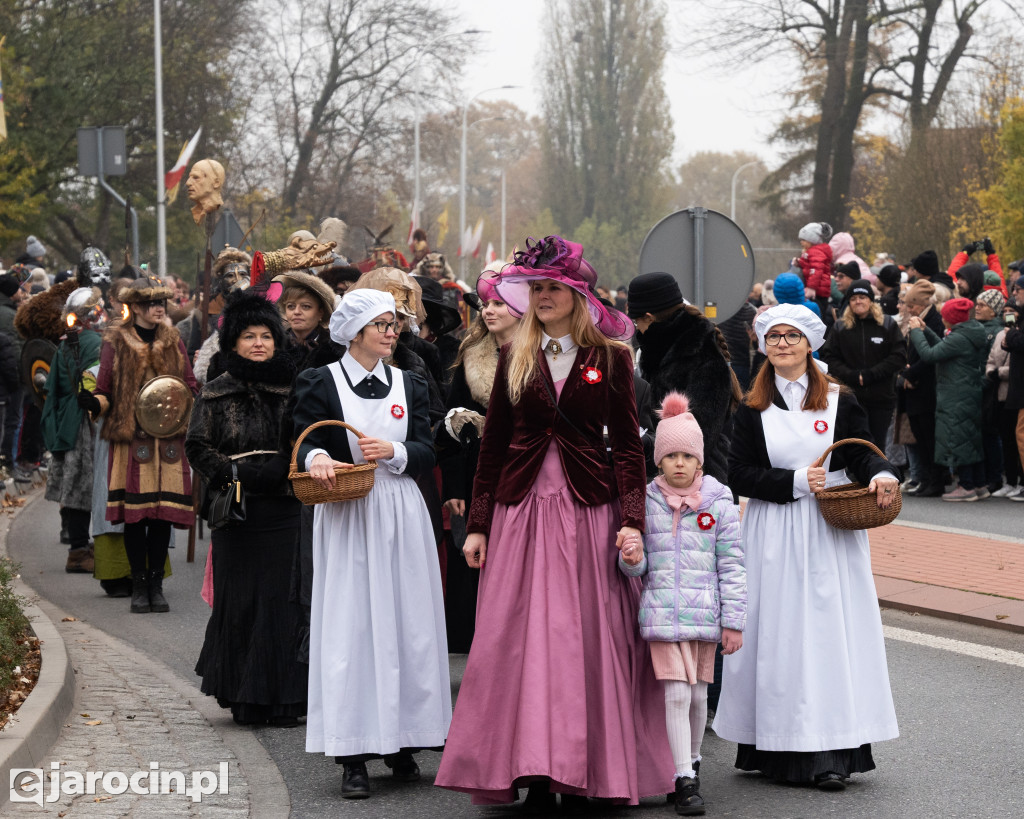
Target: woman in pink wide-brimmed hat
point(559, 695)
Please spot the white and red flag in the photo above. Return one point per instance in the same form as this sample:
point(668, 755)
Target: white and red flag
point(172, 179)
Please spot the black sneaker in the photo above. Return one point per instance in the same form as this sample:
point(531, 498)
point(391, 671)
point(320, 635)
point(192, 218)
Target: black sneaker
point(355, 784)
point(689, 802)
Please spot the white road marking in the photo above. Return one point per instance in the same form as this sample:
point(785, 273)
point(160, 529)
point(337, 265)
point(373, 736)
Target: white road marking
point(996, 655)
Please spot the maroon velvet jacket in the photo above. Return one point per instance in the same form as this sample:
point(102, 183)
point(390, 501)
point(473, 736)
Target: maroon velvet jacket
point(516, 438)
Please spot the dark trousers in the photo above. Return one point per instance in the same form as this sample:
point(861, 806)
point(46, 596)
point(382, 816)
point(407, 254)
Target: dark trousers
point(879, 420)
point(30, 437)
point(1008, 439)
point(923, 427)
point(971, 476)
point(147, 540)
point(76, 521)
point(11, 422)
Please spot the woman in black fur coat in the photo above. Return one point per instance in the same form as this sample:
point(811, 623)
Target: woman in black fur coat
point(681, 350)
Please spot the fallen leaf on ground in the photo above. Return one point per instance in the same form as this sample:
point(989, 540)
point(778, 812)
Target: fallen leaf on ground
point(87, 716)
point(95, 722)
point(1002, 616)
point(69, 619)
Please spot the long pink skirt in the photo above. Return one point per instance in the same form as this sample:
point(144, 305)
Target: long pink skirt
point(559, 683)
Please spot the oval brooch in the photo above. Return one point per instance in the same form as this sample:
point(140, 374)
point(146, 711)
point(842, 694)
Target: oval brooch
point(820, 426)
point(705, 520)
point(592, 375)
point(398, 410)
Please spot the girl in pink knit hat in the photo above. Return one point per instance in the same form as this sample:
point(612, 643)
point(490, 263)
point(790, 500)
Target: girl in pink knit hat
point(694, 586)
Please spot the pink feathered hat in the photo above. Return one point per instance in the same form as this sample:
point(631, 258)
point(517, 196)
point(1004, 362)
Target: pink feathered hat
point(562, 261)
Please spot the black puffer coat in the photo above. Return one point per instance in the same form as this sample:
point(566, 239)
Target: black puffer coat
point(682, 354)
point(921, 374)
point(867, 352)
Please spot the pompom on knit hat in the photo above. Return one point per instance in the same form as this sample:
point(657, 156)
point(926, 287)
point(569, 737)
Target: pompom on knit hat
point(249, 309)
point(678, 430)
point(957, 311)
point(993, 299)
point(34, 248)
point(817, 233)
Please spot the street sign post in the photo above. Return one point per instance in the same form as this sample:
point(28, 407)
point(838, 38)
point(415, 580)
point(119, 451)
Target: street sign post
point(103, 152)
point(227, 233)
point(708, 254)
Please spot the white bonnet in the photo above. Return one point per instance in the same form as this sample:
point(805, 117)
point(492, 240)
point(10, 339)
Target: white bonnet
point(795, 315)
point(357, 309)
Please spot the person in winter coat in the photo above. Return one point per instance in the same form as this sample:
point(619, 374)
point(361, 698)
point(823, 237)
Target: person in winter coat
point(997, 374)
point(817, 261)
point(681, 350)
point(925, 265)
point(694, 586)
point(1013, 343)
point(888, 284)
point(790, 290)
point(237, 428)
point(68, 432)
point(842, 252)
point(916, 385)
point(738, 330)
point(959, 360)
point(962, 261)
point(865, 350)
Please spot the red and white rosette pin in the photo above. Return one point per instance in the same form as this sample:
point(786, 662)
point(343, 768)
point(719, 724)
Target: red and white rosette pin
point(820, 426)
point(398, 410)
point(705, 520)
point(592, 375)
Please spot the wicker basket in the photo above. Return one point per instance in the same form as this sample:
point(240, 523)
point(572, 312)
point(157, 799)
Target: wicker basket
point(350, 483)
point(852, 505)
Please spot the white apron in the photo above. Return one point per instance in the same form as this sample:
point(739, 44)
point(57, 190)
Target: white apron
point(811, 675)
point(378, 655)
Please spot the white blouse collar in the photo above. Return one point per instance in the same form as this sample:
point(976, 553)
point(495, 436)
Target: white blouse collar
point(357, 372)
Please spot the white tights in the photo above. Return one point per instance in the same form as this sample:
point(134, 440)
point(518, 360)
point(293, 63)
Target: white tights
point(686, 715)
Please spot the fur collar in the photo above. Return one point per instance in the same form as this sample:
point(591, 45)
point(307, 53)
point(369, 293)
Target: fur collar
point(278, 371)
point(682, 334)
point(479, 364)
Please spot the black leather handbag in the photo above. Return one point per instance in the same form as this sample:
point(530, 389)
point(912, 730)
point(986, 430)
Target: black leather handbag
point(227, 504)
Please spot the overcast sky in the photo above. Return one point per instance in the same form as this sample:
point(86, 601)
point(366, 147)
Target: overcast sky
point(712, 109)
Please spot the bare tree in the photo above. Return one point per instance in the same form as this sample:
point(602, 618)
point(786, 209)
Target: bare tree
point(338, 78)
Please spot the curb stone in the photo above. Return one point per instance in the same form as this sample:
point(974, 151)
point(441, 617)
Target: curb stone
point(31, 732)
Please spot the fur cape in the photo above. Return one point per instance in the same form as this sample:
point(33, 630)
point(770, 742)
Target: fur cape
point(40, 316)
point(479, 364)
point(134, 363)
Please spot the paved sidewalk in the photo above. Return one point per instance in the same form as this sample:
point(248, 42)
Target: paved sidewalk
point(949, 574)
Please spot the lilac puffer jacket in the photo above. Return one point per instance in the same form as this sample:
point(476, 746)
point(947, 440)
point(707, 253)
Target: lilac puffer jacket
point(694, 583)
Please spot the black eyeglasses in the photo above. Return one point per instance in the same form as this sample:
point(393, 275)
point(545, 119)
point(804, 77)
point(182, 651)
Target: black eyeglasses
point(792, 339)
point(384, 326)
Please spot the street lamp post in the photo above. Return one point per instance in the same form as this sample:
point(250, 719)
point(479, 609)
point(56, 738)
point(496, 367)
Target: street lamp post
point(735, 176)
point(462, 174)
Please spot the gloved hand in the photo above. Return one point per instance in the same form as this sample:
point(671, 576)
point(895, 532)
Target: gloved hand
point(274, 472)
point(971, 247)
point(89, 402)
point(249, 475)
point(989, 247)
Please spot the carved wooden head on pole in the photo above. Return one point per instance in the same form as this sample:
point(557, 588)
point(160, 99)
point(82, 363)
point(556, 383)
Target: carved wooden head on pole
point(204, 184)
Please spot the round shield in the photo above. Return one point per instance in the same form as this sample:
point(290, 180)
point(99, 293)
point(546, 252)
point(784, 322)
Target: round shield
point(36, 357)
point(163, 406)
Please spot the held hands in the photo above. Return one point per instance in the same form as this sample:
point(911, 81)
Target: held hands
point(885, 490)
point(475, 550)
point(916, 323)
point(732, 640)
point(816, 478)
point(630, 543)
point(322, 470)
point(456, 506)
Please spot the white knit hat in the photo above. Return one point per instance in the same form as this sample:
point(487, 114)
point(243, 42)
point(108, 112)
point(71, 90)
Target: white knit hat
point(357, 309)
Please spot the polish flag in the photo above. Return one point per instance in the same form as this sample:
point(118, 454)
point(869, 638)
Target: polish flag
point(173, 177)
point(478, 233)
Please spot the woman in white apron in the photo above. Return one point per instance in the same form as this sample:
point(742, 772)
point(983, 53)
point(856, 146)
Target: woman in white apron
point(810, 691)
point(378, 658)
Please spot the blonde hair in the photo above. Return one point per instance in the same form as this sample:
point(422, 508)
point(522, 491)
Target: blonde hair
point(848, 318)
point(522, 359)
point(476, 333)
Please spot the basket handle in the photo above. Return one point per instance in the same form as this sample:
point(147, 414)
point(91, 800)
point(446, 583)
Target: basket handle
point(310, 428)
point(860, 441)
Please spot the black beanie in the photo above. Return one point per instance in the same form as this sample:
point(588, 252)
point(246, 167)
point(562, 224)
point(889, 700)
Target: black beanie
point(889, 275)
point(9, 284)
point(861, 287)
point(926, 263)
point(245, 309)
point(651, 293)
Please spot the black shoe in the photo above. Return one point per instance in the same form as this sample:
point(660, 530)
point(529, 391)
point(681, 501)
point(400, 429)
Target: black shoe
point(934, 490)
point(355, 784)
point(140, 594)
point(539, 798)
point(670, 798)
point(829, 782)
point(157, 601)
point(119, 587)
point(689, 802)
point(403, 766)
point(284, 722)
